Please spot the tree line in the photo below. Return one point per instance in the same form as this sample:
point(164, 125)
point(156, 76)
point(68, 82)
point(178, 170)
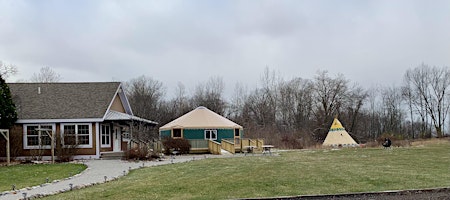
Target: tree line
point(297, 112)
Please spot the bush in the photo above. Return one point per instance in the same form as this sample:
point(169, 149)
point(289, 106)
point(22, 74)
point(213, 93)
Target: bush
point(291, 142)
point(180, 144)
point(65, 153)
point(138, 153)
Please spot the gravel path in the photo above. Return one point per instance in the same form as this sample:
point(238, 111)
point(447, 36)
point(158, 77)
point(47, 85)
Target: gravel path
point(98, 171)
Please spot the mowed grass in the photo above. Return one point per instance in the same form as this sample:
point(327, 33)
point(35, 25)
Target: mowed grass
point(303, 172)
point(31, 175)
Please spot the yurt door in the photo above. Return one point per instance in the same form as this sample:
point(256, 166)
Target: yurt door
point(237, 136)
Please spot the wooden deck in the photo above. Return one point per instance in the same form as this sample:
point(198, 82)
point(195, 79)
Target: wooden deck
point(239, 145)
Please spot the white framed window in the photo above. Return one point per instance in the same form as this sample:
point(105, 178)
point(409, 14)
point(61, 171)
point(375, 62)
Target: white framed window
point(35, 139)
point(176, 133)
point(210, 134)
point(106, 135)
point(77, 134)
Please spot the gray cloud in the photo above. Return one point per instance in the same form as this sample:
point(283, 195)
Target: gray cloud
point(370, 42)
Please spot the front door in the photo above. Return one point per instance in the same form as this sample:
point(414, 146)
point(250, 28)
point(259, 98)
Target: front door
point(237, 136)
point(117, 139)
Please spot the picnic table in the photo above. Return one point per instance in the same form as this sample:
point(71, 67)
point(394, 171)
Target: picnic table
point(267, 149)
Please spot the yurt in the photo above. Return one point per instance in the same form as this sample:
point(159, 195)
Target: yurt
point(338, 137)
point(200, 125)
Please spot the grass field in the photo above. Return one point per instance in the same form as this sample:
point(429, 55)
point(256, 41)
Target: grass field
point(291, 173)
point(30, 175)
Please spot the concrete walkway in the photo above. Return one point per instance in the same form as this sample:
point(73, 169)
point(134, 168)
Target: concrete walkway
point(98, 171)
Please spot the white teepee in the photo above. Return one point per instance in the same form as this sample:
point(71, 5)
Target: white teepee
point(337, 136)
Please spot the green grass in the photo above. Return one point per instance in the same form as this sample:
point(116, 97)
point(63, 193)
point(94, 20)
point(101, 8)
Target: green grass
point(30, 175)
point(292, 173)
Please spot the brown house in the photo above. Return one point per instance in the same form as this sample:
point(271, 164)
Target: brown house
point(95, 116)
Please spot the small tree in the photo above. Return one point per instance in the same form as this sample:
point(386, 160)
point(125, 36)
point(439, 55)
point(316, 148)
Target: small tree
point(8, 114)
point(66, 148)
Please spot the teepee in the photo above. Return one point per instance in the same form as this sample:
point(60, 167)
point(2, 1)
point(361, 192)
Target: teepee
point(337, 136)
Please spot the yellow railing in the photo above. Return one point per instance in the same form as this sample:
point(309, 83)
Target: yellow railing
point(214, 147)
point(247, 142)
point(259, 143)
point(228, 146)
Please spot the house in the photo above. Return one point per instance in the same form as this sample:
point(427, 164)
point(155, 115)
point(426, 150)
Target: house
point(95, 117)
point(338, 137)
point(201, 125)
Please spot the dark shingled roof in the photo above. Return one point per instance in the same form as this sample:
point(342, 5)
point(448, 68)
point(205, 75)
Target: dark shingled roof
point(62, 100)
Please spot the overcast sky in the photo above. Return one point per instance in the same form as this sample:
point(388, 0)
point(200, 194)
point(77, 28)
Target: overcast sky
point(369, 42)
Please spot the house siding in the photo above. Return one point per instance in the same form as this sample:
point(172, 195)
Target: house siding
point(225, 134)
point(117, 105)
point(196, 134)
point(17, 136)
point(165, 133)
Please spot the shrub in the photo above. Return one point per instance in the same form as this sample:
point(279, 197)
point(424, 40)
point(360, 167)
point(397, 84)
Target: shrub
point(180, 144)
point(291, 142)
point(65, 153)
point(138, 153)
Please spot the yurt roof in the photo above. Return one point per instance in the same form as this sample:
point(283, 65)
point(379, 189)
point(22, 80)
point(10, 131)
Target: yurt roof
point(338, 135)
point(201, 118)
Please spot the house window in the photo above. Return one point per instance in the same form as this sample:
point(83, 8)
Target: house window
point(210, 134)
point(106, 135)
point(35, 138)
point(77, 134)
point(176, 133)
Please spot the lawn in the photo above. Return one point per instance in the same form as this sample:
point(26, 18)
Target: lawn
point(291, 173)
point(31, 175)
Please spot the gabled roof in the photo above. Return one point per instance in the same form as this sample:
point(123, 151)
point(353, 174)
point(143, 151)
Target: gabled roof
point(201, 118)
point(38, 101)
point(338, 135)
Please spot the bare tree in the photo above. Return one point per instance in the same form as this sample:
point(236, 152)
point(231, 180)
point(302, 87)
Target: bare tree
point(145, 94)
point(210, 95)
point(237, 102)
point(430, 90)
point(350, 112)
point(146, 99)
point(7, 70)
point(180, 103)
point(45, 75)
point(295, 103)
point(330, 94)
point(392, 113)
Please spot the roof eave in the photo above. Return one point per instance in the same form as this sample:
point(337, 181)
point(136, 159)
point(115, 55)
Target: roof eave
point(37, 121)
